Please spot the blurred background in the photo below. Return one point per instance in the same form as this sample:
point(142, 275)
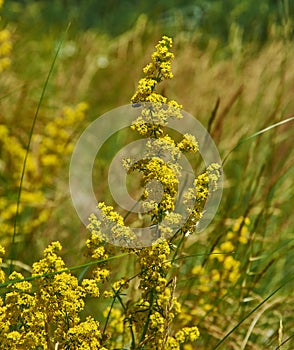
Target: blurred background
point(211, 18)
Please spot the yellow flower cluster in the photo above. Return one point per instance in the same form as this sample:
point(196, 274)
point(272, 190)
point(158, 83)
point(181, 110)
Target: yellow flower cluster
point(222, 271)
point(152, 119)
point(196, 197)
point(45, 313)
point(157, 169)
point(5, 47)
point(45, 310)
point(149, 317)
point(155, 72)
point(151, 122)
point(14, 152)
point(56, 141)
point(155, 116)
point(110, 227)
point(163, 147)
point(49, 151)
point(97, 250)
point(187, 334)
point(152, 315)
point(85, 335)
point(188, 143)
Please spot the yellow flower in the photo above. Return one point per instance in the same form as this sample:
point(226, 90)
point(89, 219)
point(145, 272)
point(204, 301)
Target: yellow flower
point(172, 344)
point(215, 275)
point(100, 274)
point(197, 270)
point(119, 284)
point(108, 294)
point(243, 238)
point(13, 336)
point(187, 334)
point(227, 247)
point(51, 261)
point(187, 347)
point(156, 71)
point(188, 144)
point(230, 263)
point(85, 335)
point(157, 322)
point(90, 287)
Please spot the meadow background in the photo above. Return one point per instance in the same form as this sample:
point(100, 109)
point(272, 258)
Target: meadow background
point(234, 71)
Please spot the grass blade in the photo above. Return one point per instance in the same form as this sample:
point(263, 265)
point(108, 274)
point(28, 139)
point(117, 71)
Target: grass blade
point(251, 312)
point(12, 249)
point(260, 132)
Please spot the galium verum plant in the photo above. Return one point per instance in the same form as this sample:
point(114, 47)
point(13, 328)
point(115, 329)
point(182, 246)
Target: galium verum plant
point(44, 311)
point(151, 317)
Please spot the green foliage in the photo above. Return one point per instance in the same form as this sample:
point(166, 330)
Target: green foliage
point(212, 18)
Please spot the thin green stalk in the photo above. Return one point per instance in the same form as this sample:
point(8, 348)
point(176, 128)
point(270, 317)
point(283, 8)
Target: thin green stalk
point(145, 329)
point(13, 250)
point(73, 268)
point(260, 132)
point(109, 312)
point(200, 254)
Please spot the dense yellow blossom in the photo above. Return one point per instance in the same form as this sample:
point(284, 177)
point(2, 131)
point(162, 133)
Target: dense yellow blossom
point(149, 318)
point(47, 311)
point(119, 284)
point(155, 116)
point(49, 151)
point(85, 335)
point(188, 143)
point(195, 198)
point(187, 334)
point(156, 169)
point(151, 123)
point(156, 71)
point(110, 227)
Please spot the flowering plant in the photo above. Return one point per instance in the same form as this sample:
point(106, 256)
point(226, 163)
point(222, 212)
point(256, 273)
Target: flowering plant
point(44, 311)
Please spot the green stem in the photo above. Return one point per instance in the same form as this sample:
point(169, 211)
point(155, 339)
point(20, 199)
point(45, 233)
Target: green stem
point(53, 273)
point(145, 329)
